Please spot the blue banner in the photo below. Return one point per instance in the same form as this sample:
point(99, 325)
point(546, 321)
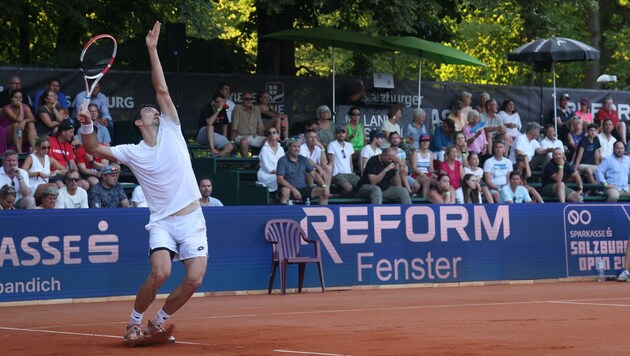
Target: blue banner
point(96, 253)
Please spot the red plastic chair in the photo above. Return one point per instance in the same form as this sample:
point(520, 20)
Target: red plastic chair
point(286, 237)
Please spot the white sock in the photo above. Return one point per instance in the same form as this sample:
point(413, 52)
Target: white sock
point(161, 317)
point(136, 318)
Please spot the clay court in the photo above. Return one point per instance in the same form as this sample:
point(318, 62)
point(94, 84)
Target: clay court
point(565, 318)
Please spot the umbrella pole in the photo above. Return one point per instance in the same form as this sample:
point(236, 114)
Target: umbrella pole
point(333, 80)
point(542, 117)
point(555, 107)
point(419, 81)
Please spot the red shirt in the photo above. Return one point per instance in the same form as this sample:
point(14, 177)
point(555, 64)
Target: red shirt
point(61, 151)
point(456, 180)
point(603, 115)
point(81, 158)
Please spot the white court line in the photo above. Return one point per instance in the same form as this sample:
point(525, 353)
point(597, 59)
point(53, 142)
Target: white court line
point(307, 353)
point(596, 304)
point(84, 334)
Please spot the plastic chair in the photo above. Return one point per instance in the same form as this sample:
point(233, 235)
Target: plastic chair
point(286, 237)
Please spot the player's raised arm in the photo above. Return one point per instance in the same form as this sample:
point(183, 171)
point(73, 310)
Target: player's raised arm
point(90, 142)
point(157, 75)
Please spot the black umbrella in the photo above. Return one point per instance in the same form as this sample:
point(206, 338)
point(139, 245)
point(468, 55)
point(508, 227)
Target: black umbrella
point(541, 52)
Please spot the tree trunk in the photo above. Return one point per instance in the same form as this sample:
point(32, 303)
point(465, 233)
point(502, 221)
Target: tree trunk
point(275, 57)
point(592, 69)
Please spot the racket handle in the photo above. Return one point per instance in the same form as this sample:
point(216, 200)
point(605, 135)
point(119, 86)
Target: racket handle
point(85, 104)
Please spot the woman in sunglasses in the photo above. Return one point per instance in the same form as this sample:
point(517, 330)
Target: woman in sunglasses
point(38, 164)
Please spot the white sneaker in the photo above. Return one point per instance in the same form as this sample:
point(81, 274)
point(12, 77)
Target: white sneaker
point(624, 276)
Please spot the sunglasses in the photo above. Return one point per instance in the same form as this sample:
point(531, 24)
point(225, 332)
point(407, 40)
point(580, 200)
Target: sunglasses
point(73, 179)
point(248, 99)
point(355, 114)
point(45, 147)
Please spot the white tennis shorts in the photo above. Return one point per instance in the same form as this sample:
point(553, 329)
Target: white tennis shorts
point(185, 235)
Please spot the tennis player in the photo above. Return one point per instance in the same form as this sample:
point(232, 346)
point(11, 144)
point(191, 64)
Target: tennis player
point(177, 228)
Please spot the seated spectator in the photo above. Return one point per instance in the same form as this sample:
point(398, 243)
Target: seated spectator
point(213, 127)
point(495, 130)
point(14, 83)
point(515, 192)
point(588, 155)
point(71, 196)
point(476, 139)
point(137, 198)
point(90, 166)
point(225, 90)
point(407, 181)
point(272, 117)
point(373, 148)
point(469, 192)
point(315, 152)
point(563, 115)
point(613, 173)
point(585, 111)
point(462, 148)
point(496, 170)
point(108, 193)
point(17, 178)
point(38, 165)
point(102, 135)
point(16, 122)
point(442, 192)
point(62, 150)
point(49, 114)
point(483, 100)
point(510, 119)
point(391, 124)
point(340, 157)
point(417, 127)
point(456, 115)
point(473, 168)
point(522, 168)
point(381, 179)
point(100, 100)
point(608, 113)
point(606, 138)
point(555, 176)
point(575, 135)
point(205, 188)
point(54, 85)
point(422, 166)
point(8, 196)
point(452, 167)
point(550, 142)
point(269, 156)
point(355, 132)
point(527, 144)
point(247, 126)
point(49, 198)
point(291, 174)
point(443, 137)
point(326, 131)
point(466, 99)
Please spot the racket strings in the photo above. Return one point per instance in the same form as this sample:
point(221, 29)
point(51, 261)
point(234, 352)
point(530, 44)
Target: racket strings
point(97, 56)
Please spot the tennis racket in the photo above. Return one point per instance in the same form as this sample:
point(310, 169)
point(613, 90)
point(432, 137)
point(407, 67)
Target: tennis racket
point(96, 59)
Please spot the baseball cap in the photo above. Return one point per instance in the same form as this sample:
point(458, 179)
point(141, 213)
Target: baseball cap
point(585, 101)
point(109, 169)
point(65, 125)
point(565, 96)
point(340, 128)
point(425, 138)
point(376, 133)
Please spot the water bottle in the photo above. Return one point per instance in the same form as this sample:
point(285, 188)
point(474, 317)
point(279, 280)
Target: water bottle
point(308, 201)
point(19, 133)
point(581, 198)
point(600, 270)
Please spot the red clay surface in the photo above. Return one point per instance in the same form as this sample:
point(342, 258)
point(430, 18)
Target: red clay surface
point(581, 318)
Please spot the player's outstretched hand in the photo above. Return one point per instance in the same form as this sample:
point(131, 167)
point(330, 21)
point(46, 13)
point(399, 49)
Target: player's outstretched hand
point(153, 36)
point(84, 117)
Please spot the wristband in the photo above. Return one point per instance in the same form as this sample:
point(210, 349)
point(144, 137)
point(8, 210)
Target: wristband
point(561, 167)
point(87, 129)
point(605, 184)
point(447, 193)
point(324, 185)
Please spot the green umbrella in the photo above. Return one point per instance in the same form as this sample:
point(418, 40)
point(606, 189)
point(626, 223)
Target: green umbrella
point(323, 36)
point(433, 51)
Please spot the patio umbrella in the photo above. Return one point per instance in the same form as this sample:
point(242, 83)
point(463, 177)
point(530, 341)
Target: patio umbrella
point(433, 51)
point(323, 36)
point(555, 49)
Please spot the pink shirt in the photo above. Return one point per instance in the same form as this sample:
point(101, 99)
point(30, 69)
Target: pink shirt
point(456, 179)
point(586, 117)
point(479, 143)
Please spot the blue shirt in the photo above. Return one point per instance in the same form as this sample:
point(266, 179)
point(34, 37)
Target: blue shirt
point(415, 132)
point(440, 139)
point(615, 171)
point(100, 100)
point(521, 195)
point(294, 172)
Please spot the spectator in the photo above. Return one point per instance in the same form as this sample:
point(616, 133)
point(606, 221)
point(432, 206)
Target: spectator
point(550, 142)
point(391, 124)
point(71, 196)
point(523, 170)
point(326, 131)
point(585, 111)
point(575, 135)
point(61, 149)
point(49, 198)
point(8, 195)
point(422, 166)
point(563, 117)
point(555, 176)
point(272, 117)
point(213, 127)
point(38, 165)
point(476, 139)
point(17, 121)
point(291, 174)
point(462, 148)
point(16, 178)
point(527, 144)
point(377, 137)
point(226, 93)
point(108, 193)
point(469, 192)
point(473, 168)
point(102, 135)
point(510, 119)
point(466, 99)
point(443, 137)
point(15, 83)
point(483, 100)
point(355, 132)
point(417, 127)
point(606, 138)
point(55, 86)
point(90, 166)
point(495, 130)
point(205, 188)
point(456, 115)
point(607, 112)
point(269, 156)
point(515, 192)
point(137, 198)
point(407, 181)
point(381, 179)
point(247, 125)
point(49, 114)
point(588, 155)
point(452, 167)
point(496, 170)
point(442, 192)
point(100, 100)
point(314, 151)
point(340, 157)
point(613, 173)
